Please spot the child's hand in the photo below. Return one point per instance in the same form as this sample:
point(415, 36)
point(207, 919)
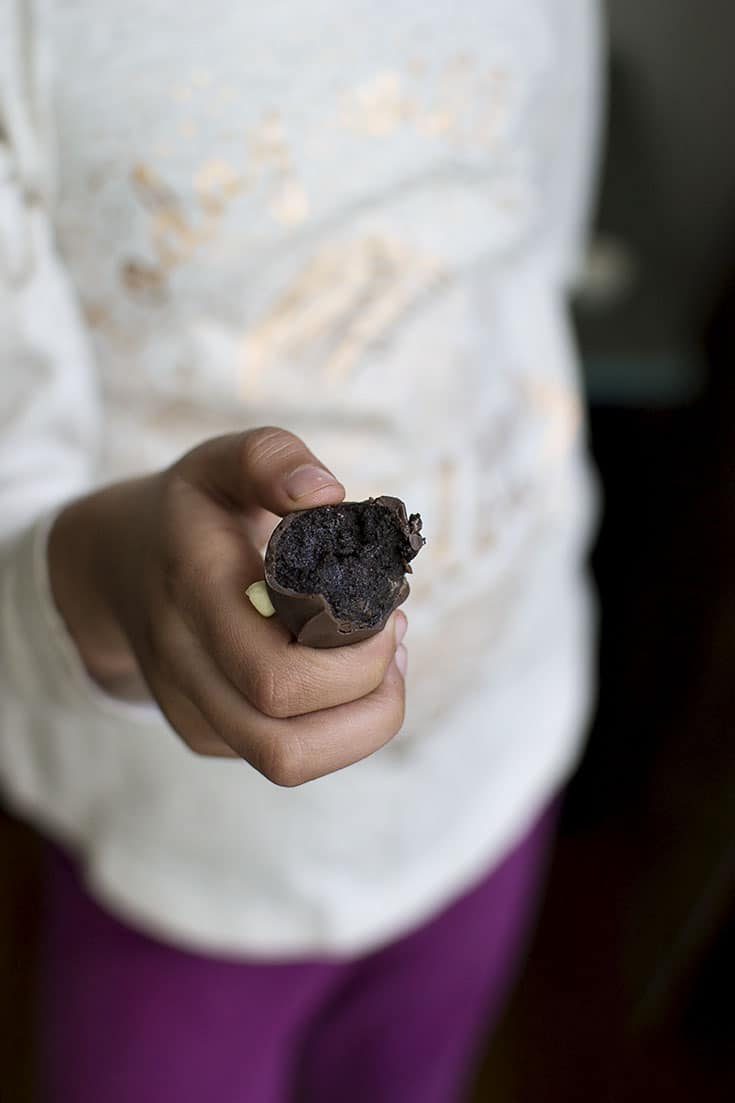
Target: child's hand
point(151, 575)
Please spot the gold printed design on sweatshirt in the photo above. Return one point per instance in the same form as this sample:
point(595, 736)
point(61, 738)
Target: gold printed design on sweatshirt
point(181, 225)
point(176, 232)
point(459, 101)
point(349, 296)
point(377, 107)
point(560, 408)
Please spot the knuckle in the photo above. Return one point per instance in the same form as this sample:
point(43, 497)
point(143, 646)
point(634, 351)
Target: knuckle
point(261, 446)
point(379, 652)
point(282, 763)
point(269, 693)
point(197, 744)
point(362, 668)
point(399, 711)
point(195, 736)
point(381, 664)
point(174, 504)
point(393, 709)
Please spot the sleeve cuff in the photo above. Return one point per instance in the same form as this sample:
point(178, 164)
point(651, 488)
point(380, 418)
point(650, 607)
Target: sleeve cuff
point(42, 658)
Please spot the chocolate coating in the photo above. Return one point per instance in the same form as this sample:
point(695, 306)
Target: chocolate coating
point(309, 616)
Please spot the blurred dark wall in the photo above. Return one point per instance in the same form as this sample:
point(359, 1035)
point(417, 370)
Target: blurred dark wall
point(673, 63)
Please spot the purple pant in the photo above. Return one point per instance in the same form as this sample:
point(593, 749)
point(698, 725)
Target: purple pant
point(127, 1019)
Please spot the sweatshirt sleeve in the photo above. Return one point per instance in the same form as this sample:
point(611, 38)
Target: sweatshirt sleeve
point(49, 409)
point(49, 413)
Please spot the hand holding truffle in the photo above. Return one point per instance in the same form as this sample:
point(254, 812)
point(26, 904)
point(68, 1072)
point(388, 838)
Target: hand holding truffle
point(151, 577)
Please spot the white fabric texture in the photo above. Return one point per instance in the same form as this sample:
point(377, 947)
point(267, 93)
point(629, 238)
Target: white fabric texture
point(357, 221)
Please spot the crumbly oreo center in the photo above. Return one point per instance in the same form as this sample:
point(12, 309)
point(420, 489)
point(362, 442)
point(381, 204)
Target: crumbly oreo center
point(355, 554)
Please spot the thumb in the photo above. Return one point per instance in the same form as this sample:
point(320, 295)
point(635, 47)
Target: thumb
point(268, 467)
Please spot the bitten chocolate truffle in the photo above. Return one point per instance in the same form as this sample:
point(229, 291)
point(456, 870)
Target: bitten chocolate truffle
point(336, 573)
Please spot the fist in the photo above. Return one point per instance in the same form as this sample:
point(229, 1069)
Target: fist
point(180, 549)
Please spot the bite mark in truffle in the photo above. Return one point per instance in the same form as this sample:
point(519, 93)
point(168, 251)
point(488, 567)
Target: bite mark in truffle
point(336, 573)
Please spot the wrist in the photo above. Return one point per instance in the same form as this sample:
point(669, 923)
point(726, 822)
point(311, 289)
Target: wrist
point(84, 554)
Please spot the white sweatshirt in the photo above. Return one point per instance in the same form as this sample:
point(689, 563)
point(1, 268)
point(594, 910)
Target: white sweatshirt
point(358, 221)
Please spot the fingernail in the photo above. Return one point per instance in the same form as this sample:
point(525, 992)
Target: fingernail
point(400, 626)
point(306, 480)
point(401, 657)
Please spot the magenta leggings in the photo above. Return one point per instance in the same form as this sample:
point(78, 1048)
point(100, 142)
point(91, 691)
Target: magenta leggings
point(127, 1019)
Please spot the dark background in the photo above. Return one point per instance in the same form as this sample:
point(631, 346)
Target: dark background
point(627, 992)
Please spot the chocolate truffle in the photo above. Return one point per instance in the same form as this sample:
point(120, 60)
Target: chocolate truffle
point(336, 573)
